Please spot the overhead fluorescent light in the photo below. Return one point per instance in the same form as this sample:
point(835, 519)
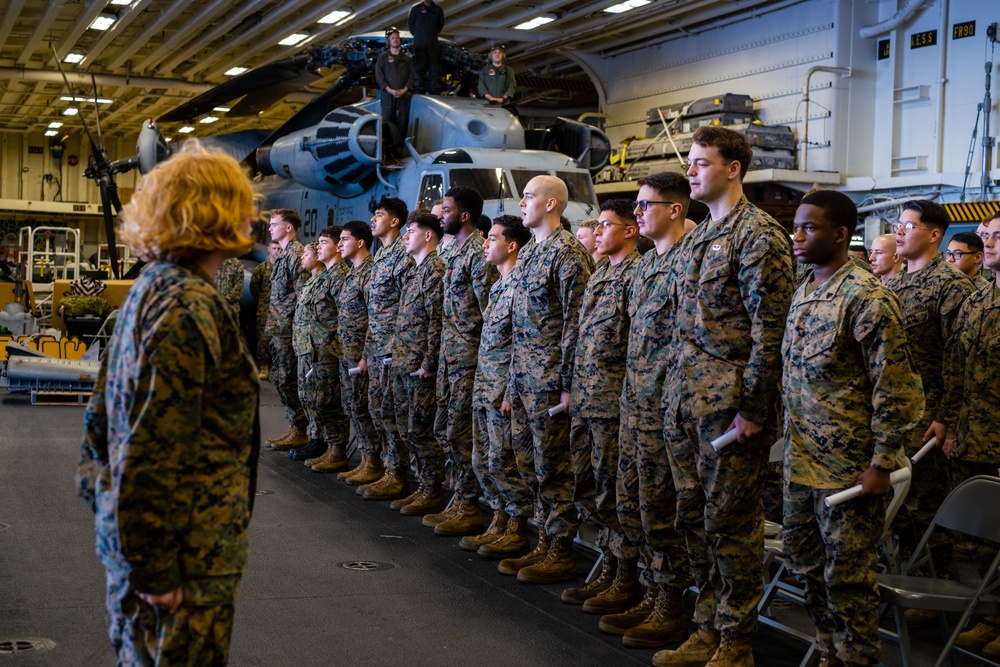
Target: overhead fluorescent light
point(91, 100)
point(168, 139)
point(628, 5)
point(209, 119)
point(121, 3)
point(235, 71)
point(186, 129)
point(103, 22)
point(293, 39)
point(74, 58)
point(221, 109)
point(50, 133)
point(70, 112)
point(333, 17)
point(535, 22)
point(55, 125)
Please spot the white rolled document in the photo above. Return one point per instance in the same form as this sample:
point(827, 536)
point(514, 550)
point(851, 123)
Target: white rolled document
point(354, 371)
point(727, 438)
point(387, 361)
point(556, 409)
point(931, 444)
point(415, 374)
point(895, 477)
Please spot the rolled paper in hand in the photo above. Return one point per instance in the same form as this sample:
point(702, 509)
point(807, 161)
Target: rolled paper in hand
point(931, 444)
point(727, 438)
point(310, 372)
point(415, 374)
point(387, 361)
point(556, 409)
point(354, 371)
point(895, 477)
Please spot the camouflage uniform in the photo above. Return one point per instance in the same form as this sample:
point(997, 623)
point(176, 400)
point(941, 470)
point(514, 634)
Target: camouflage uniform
point(260, 290)
point(847, 365)
point(287, 278)
point(467, 282)
point(416, 345)
point(931, 298)
point(317, 345)
point(390, 267)
point(549, 279)
point(229, 281)
point(646, 500)
point(598, 373)
point(508, 490)
point(168, 464)
point(733, 285)
point(352, 325)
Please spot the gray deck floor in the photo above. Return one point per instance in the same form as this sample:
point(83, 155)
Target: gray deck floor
point(433, 605)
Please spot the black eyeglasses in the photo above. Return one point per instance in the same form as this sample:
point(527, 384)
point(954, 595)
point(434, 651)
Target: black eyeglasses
point(643, 204)
point(957, 254)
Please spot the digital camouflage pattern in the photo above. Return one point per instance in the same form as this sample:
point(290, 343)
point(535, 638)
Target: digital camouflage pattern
point(846, 362)
point(417, 344)
point(169, 457)
point(548, 283)
point(287, 280)
point(733, 285)
point(260, 290)
point(467, 282)
point(229, 281)
point(493, 370)
point(352, 327)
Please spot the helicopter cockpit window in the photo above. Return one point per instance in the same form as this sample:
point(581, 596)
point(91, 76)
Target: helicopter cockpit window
point(580, 187)
point(431, 189)
point(522, 176)
point(491, 183)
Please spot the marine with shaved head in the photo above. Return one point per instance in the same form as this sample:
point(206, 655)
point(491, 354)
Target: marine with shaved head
point(548, 284)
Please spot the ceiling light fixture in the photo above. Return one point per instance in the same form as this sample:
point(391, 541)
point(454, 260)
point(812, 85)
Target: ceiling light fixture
point(121, 3)
point(333, 17)
point(186, 129)
point(74, 58)
point(293, 39)
point(55, 125)
point(168, 139)
point(535, 22)
point(70, 112)
point(221, 109)
point(235, 71)
point(50, 133)
point(628, 5)
point(91, 100)
point(103, 21)
point(209, 119)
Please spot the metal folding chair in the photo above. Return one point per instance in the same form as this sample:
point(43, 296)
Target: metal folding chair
point(973, 508)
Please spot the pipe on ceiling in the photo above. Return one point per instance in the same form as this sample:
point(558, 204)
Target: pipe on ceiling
point(83, 78)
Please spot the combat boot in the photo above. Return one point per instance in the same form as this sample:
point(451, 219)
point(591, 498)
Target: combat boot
point(665, 625)
point(733, 652)
point(559, 564)
point(513, 542)
point(623, 592)
point(467, 520)
point(512, 566)
point(370, 471)
point(342, 476)
point(296, 438)
point(431, 500)
point(695, 652)
point(403, 502)
point(830, 660)
point(601, 583)
point(281, 438)
point(310, 462)
point(311, 449)
point(431, 520)
point(992, 650)
point(979, 636)
point(492, 534)
point(619, 624)
point(334, 460)
point(392, 485)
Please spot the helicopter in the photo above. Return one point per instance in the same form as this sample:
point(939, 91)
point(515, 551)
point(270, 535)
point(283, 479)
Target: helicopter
point(325, 161)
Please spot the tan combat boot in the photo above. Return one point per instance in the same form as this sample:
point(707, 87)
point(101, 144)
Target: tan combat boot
point(512, 566)
point(980, 635)
point(335, 462)
point(992, 651)
point(619, 624)
point(310, 462)
point(492, 534)
point(432, 500)
point(733, 652)
point(431, 520)
point(623, 592)
point(264, 373)
point(296, 438)
point(600, 583)
point(467, 520)
point(695, 652)
point(281, 438)
point(371, 472)
point(559, 564)
point(513, 542)
point(392, 485)
point(403, 502)
point(342, 476)
point(665, 625)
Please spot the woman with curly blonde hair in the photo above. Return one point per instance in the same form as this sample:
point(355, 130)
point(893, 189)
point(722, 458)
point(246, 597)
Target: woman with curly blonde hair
point(169, 457)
